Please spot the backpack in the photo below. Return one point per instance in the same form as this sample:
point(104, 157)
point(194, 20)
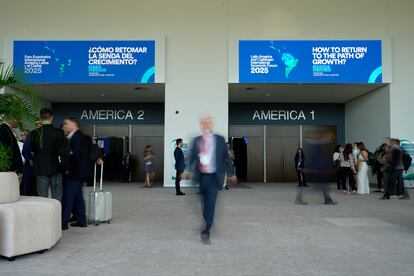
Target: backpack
point(406, 159)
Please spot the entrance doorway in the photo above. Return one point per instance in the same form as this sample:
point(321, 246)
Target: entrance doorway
point(270, 152)
point(239, 146)
point(281, 145)
point(119, 139)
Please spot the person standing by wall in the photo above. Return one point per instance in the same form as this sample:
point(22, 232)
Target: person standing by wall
point(362, 175)
point(46, 144)
point(399, 168)
point(179, 166)
point(347, 169)
point(299, 166)
point(380, 166)
point(336, 164)
point(230, 162)
point(127, 165)
point(148, 166)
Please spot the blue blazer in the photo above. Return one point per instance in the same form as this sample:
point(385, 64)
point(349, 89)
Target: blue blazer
point(302, 164)
point(179, 160)
point(79, 161)
point(221, 159)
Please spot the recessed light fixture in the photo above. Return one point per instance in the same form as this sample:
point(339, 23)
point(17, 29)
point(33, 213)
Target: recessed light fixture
point(142, 88)
point(267, 94)
point(102, 95)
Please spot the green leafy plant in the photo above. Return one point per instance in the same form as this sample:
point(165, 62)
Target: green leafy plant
point(5, 158)
point(20, 104)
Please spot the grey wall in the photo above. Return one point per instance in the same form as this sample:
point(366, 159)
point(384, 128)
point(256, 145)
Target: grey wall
point(367, 118)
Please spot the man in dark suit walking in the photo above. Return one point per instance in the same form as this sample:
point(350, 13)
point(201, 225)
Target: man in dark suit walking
point(46, 144)
point(78, 172)
point(179, 165)
point(9, 139)
point(209, 158)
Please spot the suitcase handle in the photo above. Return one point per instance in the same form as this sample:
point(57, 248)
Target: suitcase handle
point(94, 178)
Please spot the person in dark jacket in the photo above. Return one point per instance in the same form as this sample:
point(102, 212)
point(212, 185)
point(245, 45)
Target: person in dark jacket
point(46, 143)
point(29, 185)
point(8, 138)
point(209, 162)
point(179, 165)
point(299, 166)
point(127, 167)
point(78, 172)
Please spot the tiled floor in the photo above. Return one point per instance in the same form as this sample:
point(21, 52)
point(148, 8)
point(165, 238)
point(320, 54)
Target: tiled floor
point(258, 231)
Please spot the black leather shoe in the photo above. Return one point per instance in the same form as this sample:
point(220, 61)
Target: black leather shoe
point(65, 227)
point(180, 194)
point(76, 224)
point(330, 203)
point(299, 202)
point(385, 197)
point(72, 219)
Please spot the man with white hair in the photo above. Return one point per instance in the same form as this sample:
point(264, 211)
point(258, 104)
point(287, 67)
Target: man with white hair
point(209, 159)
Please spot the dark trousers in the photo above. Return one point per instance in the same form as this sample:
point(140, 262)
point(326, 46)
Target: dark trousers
point(208, 192)
point(301, 178)
point(324, 188)
point(380, 179)
point(29, 185)
point(389, 182)
point(177, 182)
point(345, 173)
point(126, 174)
point(73, 198)
point(338, 178)
point(399, 182)
point(54, 182)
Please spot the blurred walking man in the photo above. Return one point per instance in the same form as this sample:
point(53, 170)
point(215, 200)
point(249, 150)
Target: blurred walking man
point(209, 158)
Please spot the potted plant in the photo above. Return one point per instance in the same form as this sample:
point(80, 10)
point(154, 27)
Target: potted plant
point(18, 104)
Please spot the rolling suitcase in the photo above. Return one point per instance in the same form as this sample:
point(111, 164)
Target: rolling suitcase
point(100, 203)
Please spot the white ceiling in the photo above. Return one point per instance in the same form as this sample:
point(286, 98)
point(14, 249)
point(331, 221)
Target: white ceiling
point(299, 93)
point(112, 92)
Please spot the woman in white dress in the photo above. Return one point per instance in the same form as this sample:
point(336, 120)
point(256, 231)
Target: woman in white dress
point(362, 176)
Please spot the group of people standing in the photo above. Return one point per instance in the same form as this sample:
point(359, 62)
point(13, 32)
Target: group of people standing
point(55, 159)
point(352, 164)
point(390, 162)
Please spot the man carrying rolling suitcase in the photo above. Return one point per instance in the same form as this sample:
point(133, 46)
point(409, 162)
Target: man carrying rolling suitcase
point(78, 172)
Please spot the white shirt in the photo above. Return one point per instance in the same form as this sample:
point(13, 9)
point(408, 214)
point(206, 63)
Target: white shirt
point(70, 135)
point(336, 156)
point(207, 153)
